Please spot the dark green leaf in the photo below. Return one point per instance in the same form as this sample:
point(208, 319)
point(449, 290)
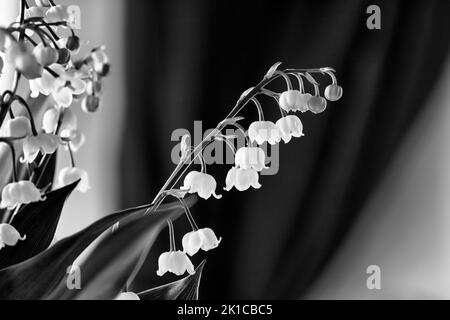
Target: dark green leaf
point(184, 289)
point(38, 221)
point(104, 272)
point(37, 277)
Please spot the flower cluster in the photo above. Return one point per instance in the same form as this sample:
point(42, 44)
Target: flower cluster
point(45, 51)
point(249, 160)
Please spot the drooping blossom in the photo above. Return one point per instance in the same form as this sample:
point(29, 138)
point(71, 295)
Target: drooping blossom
point(22, 192)
point(264, 131)
point(51, 118)
point(66, 86)
point(204, 239)
point(44, 143)
point(250, 158)
point(75, 137)
point(9, 236)
point(176, 262)
point(18, 127)
point(69, 175)
point(242, 179)
point(290, 126)
point(201, 183)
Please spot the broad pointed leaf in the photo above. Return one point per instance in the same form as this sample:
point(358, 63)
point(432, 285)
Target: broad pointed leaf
point(38, 221)
point(104, 272)
point(184, 289)
point(37, 277)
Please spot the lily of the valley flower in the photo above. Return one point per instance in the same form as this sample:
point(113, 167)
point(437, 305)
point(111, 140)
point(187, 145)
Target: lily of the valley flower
point(69, 175)
point(66, 86)
point(75, 137)
point(250, 158)
point(17, 127)
point(51, 118)
point(43, 84)
point(294, 100)
point(242, 179)
point(201, 183)
point(9, 236)
point(22, 192)
point(127, 296)
point(25, 62)
point(45, 55)
point(176, 262)
point(204, 239)
point(290, 126)
point(264, 131)
point(45, 143)
point(57, 13)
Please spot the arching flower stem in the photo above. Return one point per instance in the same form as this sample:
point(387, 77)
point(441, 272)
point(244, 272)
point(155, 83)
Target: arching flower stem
point(182, 167)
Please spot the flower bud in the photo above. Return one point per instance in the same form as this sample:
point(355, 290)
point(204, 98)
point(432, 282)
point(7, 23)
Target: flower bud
point(204, 239)
point(317, 104)
point(45, 56)
point(73, 43)
point(105, 70)
point(69, 175)
point(93, 87)
point(22, 192)
point(18, 127)
point(63, 56)
point(27, 64)
point(9, 236)
point(176, 262)
point(333, 92)
point(90, 103)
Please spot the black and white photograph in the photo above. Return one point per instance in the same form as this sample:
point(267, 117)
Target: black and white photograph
point(238, 153)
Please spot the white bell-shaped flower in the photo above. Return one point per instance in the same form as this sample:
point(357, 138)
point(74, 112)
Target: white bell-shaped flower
point(22, 192)
point(45, 143)
point(290, 126)
point(242, 179)
point(45, 55)
point(127, 296)
point(46, 83)
point(202, 183)
point(176, 262)
point(51, 117)
point(262, 131)
point(250, 157)
point(290, 100)
point(17, 127)
point(66, 86)
point(9, 236)
point(204, 239)
point(76, 138)
point(69, 175)
point(57, 13)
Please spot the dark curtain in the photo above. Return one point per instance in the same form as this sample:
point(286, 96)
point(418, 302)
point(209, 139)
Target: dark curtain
point(190, 60)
